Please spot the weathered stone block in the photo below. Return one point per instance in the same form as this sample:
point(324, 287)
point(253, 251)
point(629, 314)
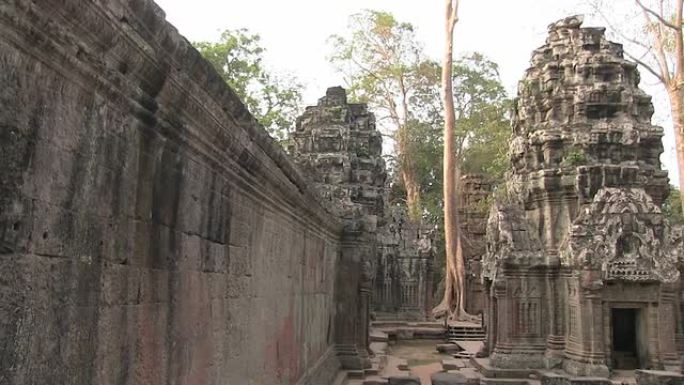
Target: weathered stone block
point(394, 380)
point(448, 348)
point(448, 379)
point(658, 377)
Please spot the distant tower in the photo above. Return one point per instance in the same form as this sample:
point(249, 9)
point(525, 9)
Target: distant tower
point(339, 148)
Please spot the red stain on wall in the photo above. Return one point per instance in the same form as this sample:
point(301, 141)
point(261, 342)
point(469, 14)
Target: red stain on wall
point(284, 352)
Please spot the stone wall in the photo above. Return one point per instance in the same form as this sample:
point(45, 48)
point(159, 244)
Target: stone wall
point(150, 231)
point(402, 286)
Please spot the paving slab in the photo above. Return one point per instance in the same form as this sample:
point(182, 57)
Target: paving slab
point(448, 379)
point(658, 377)
point(470, 346)
point(404, 380)
point(452, 364)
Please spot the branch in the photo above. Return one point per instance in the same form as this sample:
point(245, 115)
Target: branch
point(661, 59)
point(646, 66)
point(660, 18)
point(616, 30)
point(679, 46)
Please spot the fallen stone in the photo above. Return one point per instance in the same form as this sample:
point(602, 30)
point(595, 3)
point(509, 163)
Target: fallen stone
point(378, 336)
point(658, 377)
point(448, 348)
point(471, 347)
point(448, 379)
point(452, 364)
point(471, 375)
point(374, 380)
point(378, 347)
point(404, 381)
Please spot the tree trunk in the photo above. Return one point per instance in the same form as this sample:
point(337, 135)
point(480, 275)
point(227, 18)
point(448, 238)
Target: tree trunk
point(453, 303)
point(412, 193)
point(408, 176)
point(676, 95)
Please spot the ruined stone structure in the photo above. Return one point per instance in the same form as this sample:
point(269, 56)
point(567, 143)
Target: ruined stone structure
point(581, 265)
point(404, 269)
point(151, 232)
point(339, 147)
point(472, 203)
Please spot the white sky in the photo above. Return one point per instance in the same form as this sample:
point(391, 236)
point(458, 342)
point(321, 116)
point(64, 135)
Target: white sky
point(294, 33)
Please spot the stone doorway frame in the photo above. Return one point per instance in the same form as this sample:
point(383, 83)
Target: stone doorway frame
point(642, 329)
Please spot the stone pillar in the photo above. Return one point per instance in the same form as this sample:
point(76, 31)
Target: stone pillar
point(555, 341)
point(473, 210)
point(665, 315)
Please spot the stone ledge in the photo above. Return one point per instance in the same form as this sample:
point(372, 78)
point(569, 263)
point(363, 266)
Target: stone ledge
point(658, 377)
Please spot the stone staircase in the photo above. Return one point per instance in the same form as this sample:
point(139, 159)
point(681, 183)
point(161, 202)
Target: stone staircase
point(465, 332)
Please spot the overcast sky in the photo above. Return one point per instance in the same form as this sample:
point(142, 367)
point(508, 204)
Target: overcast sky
point(294, 33)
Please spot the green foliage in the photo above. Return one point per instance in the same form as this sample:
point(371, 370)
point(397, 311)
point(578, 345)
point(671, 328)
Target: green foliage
point(385, 66)
point(482, 126)
point(672, 207)
point(274, 100)
point(575, 157)
point(378, 59)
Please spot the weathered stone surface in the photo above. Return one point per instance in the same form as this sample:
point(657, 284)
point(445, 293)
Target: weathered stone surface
point(404, 269)
point(576, 241)
point(339, 147)
point(658, 377)
point(404, 380)
point(448, 379)
point(448, 348)
point(474, 190)
point(622, 235)
point(150, 231)
point(452, 364)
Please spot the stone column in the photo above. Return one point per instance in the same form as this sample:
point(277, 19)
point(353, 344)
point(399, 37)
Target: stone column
point(666, 317)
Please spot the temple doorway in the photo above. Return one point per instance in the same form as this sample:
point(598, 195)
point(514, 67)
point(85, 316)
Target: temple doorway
point(625, 339)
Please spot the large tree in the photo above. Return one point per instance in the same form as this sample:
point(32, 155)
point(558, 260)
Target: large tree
point(481, 131)
point(658, 46)
point(380, 59)
point(453, 302)
point(273, 99)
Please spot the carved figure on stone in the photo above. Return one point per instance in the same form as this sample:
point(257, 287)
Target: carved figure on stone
point(625, 235)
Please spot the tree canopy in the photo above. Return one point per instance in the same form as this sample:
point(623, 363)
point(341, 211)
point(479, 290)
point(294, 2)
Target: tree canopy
point(274, 99)
point(385, 65)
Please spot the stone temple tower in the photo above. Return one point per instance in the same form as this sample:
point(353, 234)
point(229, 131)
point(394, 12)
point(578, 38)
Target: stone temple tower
point(338, 146)
point(581, 266)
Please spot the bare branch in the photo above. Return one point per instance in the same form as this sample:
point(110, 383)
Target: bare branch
point(660, 18)
point(617, 30)
point(646, 67)
point(659, 54)
point(679, 46)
